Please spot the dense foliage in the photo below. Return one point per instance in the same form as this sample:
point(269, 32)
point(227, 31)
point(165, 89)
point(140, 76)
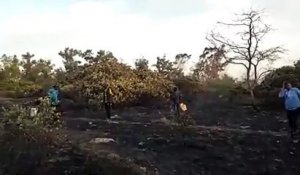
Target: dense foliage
point(271, 84)
point(34, 126)
point(85, 80)
point(128, 85)
point(25, 136)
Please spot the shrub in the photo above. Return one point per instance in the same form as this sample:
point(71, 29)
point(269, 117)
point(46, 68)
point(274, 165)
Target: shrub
point(69, 91)
point(41, 128)
point(222, 86)
point(28, 139)
point(128, 85)
point(188, 87)
point(185, 120)
point(268, 90)
point(46, 117)
point(37, 145)
point(20, 88)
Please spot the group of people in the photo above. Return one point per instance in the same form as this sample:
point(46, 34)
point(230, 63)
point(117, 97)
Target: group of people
point(290, 95)
point(55, 99)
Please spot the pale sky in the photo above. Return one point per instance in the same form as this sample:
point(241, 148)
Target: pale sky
point(133, 29)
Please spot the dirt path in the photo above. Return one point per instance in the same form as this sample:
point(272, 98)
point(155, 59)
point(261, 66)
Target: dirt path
point(161, 122)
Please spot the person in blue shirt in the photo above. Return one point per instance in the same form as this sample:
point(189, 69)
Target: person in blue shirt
point(54, 97)
point(291, 96)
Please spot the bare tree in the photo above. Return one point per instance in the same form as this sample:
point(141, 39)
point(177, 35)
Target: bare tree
point(247, 49)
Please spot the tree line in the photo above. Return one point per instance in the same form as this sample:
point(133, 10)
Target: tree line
point(130, 84)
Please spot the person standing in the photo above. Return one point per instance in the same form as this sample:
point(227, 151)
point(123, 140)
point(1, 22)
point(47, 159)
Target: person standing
point(291, 96)
point(175, 100)
point(54, 97)
point(107, 100)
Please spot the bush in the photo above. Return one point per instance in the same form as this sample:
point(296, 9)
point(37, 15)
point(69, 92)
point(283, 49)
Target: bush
point(37, 145)
point(185, 120)
point(42, 128)
point(27, 139)
point(128, 85)
point(18, 89)
point(268, 90)
point(46, 118)
point(68, 91)
point(222, 86)
point(188, 87)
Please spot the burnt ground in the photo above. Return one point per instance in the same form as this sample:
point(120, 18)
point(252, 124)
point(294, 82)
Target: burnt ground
point(226, 139)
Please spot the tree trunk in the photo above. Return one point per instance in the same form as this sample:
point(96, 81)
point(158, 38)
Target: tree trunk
point(253, 100)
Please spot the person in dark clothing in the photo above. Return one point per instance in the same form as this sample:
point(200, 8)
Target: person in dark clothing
point(175, 100)
point(107, 101)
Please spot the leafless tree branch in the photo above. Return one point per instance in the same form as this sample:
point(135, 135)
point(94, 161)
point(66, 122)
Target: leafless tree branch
point(248, 52)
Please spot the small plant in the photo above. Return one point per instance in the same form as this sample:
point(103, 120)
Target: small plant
point(28, 139)
point(42, 128)
point(185, 120)
point(46, 118)
point(182, 125)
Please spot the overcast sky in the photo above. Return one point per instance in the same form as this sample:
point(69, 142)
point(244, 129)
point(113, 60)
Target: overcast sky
point(133, 29)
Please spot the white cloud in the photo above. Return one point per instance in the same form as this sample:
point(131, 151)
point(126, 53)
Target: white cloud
point(110, 25)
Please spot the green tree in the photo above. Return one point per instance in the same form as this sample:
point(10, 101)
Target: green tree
point(180, 63)
point(268, 89)
point(100, 57)
point(211, 62)
point(27, 64)
point(38, 70)
point(11, 68)
point(128, 85)
point(142, 64)
point(43, 69)
point(103, 56)
point(71, 65)
point(164, 66)
point(60, 76)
